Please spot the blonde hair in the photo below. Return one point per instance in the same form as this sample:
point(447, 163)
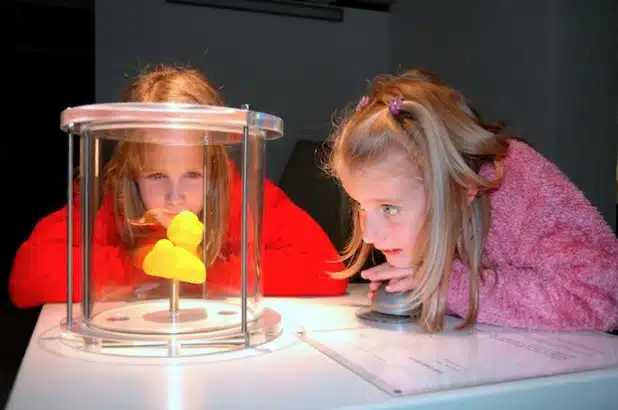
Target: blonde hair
point(442, 135)
point(166, 84)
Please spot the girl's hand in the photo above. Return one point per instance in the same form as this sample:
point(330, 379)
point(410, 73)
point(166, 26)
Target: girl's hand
point(161, 216)
point(399, 279)
point(154, 217)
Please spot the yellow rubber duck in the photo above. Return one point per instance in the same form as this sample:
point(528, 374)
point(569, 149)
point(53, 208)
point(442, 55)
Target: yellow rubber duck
point(176, 257)
point(186, 230)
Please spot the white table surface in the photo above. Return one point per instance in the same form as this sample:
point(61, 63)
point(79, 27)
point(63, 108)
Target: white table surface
point(286, 374)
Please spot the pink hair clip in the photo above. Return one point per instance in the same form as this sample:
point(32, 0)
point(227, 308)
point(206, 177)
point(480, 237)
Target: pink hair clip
point(362, 103)
point(394, 105)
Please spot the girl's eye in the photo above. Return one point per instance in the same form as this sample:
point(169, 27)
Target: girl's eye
point(156, 176)
point(193, 175)
point(390, 210)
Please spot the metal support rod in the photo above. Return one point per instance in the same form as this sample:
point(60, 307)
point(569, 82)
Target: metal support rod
point(174, 296)
point(205, 178)
point(70, 236)
point(86, 204)
point(96, 194)
point(243, 235)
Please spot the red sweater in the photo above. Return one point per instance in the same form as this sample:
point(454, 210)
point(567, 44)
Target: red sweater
point(297, 255)
point(555, 257)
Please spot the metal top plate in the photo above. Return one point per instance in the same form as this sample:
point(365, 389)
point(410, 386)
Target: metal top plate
point(193, 117)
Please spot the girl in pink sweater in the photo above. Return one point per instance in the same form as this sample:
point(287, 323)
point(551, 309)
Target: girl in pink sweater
point(470, 222)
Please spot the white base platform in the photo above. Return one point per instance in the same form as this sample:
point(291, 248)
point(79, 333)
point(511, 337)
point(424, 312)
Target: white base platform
point(290, 373)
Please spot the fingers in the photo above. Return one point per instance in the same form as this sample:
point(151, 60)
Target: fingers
point(373, 286)
point(399, 279)
point(400, 284)
point(385, 272)
point(161, 216)
point(371, 272)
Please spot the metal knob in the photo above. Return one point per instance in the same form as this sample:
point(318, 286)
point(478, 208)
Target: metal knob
point(390, 303)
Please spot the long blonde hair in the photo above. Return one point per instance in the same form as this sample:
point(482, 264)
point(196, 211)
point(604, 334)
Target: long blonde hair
point(443, 136)
point(167, 84)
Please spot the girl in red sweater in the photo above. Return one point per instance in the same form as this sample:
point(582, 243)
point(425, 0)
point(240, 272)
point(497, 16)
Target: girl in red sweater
point(469, 221)
point(145, 186)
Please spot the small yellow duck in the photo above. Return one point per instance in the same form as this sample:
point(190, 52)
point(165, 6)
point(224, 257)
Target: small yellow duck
point(176, 257)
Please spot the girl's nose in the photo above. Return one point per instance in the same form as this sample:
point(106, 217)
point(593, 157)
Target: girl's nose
point(372, 230)
point(174, 195)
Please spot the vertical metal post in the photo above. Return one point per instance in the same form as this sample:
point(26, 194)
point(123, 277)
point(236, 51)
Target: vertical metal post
point(259, 214)
point(243, 235)
point(96, 195)
point(205, 179)
point(86, 204)
point(174, 296)
point(70, 235)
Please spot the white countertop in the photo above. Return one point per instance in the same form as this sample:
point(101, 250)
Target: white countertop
point(285, 374)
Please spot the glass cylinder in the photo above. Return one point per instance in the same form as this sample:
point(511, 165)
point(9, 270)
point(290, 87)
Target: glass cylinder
point(165, 229)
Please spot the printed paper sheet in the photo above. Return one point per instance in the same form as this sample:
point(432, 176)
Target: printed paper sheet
point(409, 362)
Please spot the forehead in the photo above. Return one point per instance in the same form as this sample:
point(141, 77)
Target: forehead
point(172, 156)
point(386, 181)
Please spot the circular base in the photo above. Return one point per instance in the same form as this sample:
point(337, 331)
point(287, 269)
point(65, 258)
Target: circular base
point(149, 329)
point(373, 316)
point(155, 317)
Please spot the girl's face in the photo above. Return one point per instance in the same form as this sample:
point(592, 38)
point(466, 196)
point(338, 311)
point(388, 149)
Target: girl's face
point(391, 202)
point(172, 178)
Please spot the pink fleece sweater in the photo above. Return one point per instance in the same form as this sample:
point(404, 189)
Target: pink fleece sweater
point(555, 257)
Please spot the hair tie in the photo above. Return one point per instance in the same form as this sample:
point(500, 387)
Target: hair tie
point(394, 105)
point(362, 103)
